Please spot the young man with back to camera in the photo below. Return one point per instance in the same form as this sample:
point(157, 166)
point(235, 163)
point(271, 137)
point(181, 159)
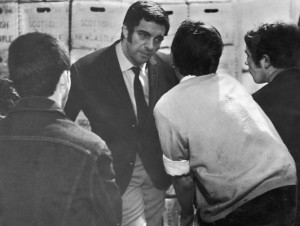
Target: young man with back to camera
point(117, 88)
point(218, 143)
point(52, 171)
point(273, 56)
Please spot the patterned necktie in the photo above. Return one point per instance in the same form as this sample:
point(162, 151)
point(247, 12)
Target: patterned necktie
point(141, 104)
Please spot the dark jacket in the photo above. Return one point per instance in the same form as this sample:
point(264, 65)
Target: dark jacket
point(53, 172)
point(99, 90)
point(280, 100)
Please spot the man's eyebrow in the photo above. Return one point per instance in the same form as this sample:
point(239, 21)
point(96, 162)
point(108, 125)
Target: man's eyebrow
point(143, 31)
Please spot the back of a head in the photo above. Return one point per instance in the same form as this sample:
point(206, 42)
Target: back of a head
point(8, 96)
point(279, 40)
point(196, 48)
point(36, 62)
point(147, 10)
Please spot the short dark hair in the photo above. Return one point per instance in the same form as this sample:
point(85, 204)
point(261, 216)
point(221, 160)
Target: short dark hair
point(196, 48)
point(8, 96)
point(147, 10)
point(35, 62)
point(279, 40)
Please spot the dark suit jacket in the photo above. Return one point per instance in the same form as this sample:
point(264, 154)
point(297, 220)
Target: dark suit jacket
point(280, 100)
point(99, 90)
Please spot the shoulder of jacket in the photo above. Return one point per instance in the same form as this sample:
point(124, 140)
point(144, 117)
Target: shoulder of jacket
point(81, 139)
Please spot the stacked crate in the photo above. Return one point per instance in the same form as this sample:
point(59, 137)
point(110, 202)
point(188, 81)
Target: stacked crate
point(45, 16)
point(221, 15)
point(177, 11)
point(8, 31)
point(95, 24)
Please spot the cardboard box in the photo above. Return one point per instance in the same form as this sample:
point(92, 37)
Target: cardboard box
point(8, 23)
point(49, 17)
point(96, 24)
point(219, 15)
point(171, 215)
point(228, 61)
point(178, 12)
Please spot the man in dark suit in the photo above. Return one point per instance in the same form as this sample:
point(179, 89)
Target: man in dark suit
point(117, 88)
point(273, 54)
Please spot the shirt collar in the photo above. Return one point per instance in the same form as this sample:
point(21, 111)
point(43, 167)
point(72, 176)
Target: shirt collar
point(187, 77)
point(125, 64)
point(199, 78)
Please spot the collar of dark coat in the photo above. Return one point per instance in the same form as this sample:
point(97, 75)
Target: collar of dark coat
point(287, 74)
point(36, 103)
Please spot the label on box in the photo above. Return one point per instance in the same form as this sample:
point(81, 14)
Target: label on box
point(96, 24)
point(8, 23)
point(219, 15)
point(49, 17)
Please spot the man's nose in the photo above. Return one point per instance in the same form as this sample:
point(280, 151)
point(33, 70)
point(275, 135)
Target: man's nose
point(149, 44)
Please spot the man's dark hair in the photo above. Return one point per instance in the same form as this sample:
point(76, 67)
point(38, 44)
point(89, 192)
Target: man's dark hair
point(8, 96)
point(196, 48)
point(36, 62)
point(147, 10)
point(279, 40)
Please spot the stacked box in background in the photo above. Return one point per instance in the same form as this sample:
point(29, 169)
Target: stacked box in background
point(221, 15)
point(171, 215)
point(51, 17)
point(178, 11)
point(95, 24)
point(8, 31)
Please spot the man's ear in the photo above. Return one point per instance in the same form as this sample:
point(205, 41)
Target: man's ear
point(265, 62)
point(125, 31)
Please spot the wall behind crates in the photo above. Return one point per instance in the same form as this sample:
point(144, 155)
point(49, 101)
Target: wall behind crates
point(86, 25)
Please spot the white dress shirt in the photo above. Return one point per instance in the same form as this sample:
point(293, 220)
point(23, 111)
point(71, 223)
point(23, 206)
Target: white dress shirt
point(128, 75)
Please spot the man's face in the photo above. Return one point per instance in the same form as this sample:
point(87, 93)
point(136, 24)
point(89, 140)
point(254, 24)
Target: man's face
point(258, 73)
point(145, 41)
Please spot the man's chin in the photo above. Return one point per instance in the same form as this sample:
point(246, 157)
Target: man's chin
point(143, 59)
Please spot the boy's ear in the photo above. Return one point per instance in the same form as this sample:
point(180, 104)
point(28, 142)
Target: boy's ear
point(265, 62)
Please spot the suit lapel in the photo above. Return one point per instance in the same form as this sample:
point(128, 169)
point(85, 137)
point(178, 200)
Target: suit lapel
point(116, 78)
